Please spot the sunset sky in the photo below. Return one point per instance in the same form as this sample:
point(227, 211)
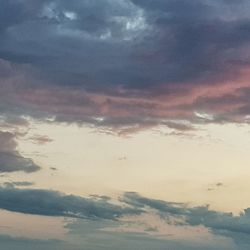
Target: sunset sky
point(124, 124)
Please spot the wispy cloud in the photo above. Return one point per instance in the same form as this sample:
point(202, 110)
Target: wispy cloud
point(52, 203)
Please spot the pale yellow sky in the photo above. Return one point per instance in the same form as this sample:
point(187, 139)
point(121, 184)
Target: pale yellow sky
point(173, 168)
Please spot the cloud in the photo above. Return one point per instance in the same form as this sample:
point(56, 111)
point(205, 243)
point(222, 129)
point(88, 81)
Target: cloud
point(52, 203)
point(7, 141)
point(221, 223)
point(12, 162)
point(126, 65)
point(10, 158)
point(94, 208)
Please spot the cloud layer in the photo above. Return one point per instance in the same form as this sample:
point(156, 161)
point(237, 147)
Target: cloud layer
point(128, 64)
point(221, 223)
point(53, 203)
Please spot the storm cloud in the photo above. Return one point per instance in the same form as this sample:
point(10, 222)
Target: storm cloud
point(126, 65)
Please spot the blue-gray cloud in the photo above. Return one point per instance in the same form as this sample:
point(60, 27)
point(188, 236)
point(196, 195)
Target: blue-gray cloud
point(53, 203)
point(226, 224)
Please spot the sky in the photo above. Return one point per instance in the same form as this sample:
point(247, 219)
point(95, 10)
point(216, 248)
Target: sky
point(124, 124)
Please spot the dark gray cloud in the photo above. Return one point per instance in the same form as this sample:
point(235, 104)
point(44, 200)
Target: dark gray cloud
point(71, 39)
point(135, 43)
point(52, 203)
point(10, 159)
point(197, 41)
point(135, 63)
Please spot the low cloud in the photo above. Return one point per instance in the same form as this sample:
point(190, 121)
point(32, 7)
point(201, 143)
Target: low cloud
point(220, 223)
point(10, 159)
point(52, 203)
